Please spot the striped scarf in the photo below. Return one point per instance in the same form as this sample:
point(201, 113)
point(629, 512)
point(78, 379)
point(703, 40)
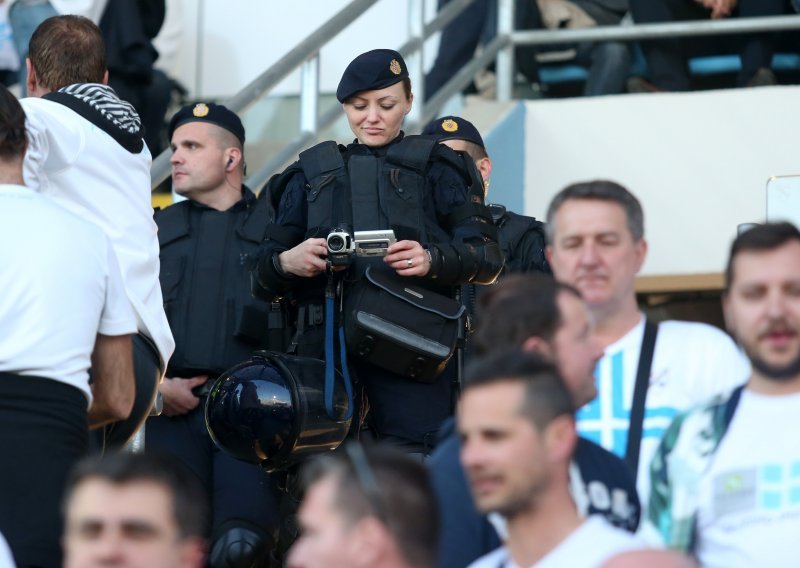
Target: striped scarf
point(104, 100)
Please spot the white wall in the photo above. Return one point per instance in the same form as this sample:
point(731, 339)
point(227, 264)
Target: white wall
point(699, 162)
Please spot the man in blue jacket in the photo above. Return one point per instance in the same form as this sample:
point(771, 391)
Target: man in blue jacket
point(537, 314)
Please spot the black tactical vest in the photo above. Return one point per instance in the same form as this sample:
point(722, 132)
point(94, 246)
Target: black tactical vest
point(512, 228)
point(369, 192)
point(206, 256)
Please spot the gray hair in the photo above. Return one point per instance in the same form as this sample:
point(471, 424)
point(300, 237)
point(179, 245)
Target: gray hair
point(602, 190)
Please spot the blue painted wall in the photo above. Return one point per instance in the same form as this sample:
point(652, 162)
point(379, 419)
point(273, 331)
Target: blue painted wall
point(505, 144)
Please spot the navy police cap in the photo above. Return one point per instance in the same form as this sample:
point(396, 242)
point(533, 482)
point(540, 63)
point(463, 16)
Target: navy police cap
point(376, 69)
point(454, 128)
point(211, 113)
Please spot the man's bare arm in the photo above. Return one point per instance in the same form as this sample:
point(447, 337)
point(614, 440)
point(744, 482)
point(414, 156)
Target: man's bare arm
point(113, 383)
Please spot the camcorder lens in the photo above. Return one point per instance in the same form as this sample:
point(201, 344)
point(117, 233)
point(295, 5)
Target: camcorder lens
point(335, 243)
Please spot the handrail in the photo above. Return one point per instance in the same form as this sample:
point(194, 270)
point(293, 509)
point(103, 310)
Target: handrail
point(505, 76)
point(457, 83)
point(658, 31)
point(275, 74)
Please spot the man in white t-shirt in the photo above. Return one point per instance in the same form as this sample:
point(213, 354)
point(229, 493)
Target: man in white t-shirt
point(87, 154)
point(62, 309)
point(726, 477)
point(518, 434)
point(596, 243)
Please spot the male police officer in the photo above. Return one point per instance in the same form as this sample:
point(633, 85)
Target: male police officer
point(521, 237)
point(206, 244)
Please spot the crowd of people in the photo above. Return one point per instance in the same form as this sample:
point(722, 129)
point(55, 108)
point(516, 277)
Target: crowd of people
point(581, 433)
point(616, 67)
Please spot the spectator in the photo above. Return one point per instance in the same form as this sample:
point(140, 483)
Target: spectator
point(667, 59)
point(537, 314)
point(87, 153)
point(596, 243)
point(128, 30)
point(365, 509)
point(63, 309)
point(134, 510)
point(518, 432)
point(210, 237)
point(608, 62)
point(725, 475)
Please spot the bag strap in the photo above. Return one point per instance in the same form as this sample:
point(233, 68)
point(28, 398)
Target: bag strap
point(330, 355)
point(636, 423)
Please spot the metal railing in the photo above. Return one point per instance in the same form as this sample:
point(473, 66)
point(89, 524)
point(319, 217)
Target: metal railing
point(505, 77)
point(306, 57)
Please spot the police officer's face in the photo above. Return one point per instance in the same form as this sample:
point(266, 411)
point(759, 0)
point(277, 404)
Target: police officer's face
point(198, 160)
point(375, 117)
point(762, 309)
point(325, 540)
point(129, 525)
point(593, 250)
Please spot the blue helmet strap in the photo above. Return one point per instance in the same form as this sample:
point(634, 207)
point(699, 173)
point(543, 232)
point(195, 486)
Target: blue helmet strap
point(333, 289)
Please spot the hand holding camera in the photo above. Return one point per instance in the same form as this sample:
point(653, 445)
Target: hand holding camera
point(408, 258)
point(343, 245)
point(307, 259)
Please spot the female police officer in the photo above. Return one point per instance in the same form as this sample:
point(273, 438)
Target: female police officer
point(383, 180)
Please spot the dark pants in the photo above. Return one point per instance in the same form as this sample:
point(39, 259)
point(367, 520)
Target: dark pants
point(404, 412)
point(667, 58)
point(43, 433)
point(239, 491)
point(458, 42)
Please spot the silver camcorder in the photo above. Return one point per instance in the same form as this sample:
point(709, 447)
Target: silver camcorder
point(373, 243)
point(342, 245)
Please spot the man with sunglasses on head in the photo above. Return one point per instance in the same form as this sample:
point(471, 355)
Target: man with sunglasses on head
point(366, 509)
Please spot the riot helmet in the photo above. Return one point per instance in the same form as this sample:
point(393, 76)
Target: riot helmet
point(270, 410)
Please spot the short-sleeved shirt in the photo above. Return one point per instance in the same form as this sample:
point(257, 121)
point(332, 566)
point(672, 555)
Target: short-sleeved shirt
point(61, 287)
point(589, 546)
point(692, 363)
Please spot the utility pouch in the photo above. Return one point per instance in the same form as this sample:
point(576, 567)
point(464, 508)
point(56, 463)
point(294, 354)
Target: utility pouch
point(399, 326)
